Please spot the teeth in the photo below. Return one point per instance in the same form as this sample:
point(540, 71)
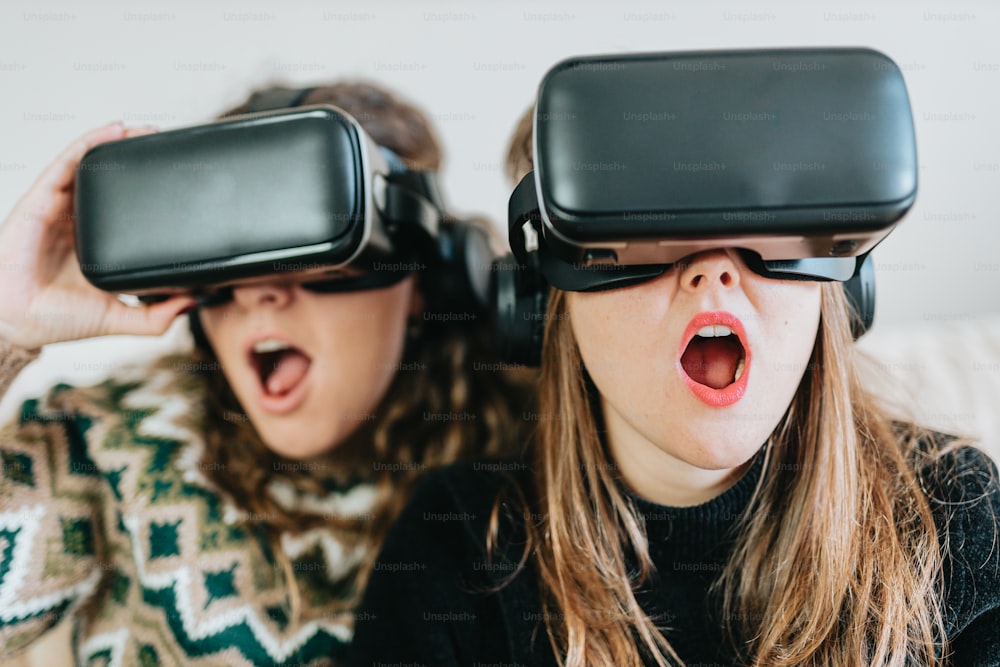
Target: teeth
point(739, 369)
point(270, 345)
point(715, 331)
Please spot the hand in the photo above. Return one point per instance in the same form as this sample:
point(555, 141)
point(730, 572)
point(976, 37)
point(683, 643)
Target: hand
point(44, 297)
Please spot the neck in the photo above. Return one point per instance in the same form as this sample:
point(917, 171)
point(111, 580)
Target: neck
point(662, 478)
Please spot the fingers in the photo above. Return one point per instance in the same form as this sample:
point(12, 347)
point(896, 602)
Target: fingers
point(51, 196)
point(146, 320)
point(59, 176)
point(139, 131)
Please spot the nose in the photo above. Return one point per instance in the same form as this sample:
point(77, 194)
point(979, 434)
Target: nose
point(712, 269)
point(272, 295)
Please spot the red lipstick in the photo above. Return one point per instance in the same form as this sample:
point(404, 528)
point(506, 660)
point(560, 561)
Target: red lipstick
point(717, 322)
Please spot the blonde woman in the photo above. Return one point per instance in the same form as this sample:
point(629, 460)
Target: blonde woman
point(696, 498)
point(224, 507)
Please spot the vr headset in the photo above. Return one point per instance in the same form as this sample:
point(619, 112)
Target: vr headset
point(802, 159)
point(299, 192)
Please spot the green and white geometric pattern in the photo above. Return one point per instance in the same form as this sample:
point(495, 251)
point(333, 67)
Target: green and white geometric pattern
point(105, 516)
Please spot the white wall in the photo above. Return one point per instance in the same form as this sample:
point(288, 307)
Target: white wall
point(69, 66)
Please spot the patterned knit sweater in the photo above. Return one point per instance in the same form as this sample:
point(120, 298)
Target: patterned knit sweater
point(106, 517)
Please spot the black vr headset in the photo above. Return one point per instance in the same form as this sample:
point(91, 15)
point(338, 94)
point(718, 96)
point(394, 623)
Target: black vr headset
point(302, 192)
point(802, 159)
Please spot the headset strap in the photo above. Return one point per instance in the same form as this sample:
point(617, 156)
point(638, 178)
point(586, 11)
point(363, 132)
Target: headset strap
point(411, 205)
point(522, 207)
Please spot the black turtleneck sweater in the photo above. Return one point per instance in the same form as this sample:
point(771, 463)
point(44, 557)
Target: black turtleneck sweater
point(433, 598)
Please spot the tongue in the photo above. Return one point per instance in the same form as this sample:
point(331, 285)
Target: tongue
point(712, 361)
point(289, 370)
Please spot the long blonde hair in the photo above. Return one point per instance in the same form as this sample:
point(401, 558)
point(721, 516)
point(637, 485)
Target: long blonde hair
point(835, 565)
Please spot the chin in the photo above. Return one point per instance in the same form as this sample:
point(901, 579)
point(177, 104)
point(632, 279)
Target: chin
point(722, 450)
point(298, 444)
point(724, 460)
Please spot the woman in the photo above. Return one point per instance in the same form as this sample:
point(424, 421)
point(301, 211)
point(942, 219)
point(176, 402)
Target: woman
point(225, 506)
point(693, 500)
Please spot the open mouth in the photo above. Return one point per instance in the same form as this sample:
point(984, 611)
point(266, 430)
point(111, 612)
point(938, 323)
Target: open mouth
point(280, 365)
point(715, 358)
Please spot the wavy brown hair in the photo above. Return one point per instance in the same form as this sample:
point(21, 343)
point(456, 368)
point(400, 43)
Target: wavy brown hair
point(837, 565)
point(450, 397)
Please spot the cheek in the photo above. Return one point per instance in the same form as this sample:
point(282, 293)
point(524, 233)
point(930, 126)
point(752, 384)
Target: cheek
point(616, 334)
point(594, 323)
point(800, 323)
point(790, 331)
point(616, 320)
point(220, 331)
point(363, 335)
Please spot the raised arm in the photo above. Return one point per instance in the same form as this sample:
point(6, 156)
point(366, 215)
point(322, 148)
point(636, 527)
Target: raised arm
point(50, 490)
